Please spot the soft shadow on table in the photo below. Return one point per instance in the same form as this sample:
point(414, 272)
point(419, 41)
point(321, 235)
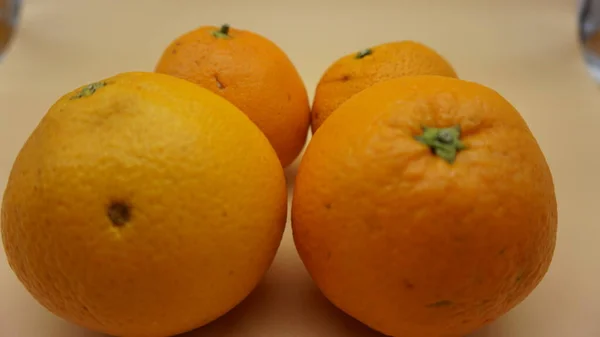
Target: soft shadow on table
point(236, 323)
point(286, 303)
point(290, 175)
point(493, 330)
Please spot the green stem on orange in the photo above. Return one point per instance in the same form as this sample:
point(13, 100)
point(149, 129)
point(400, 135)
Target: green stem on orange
point(88, 90)
point(443, 142)
point(364, 53)
point(222, 33)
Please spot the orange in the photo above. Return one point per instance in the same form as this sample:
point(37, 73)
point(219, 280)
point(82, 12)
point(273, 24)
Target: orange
point(143, 205)
point(250, 71)
point(360, 70)
point(424, 207)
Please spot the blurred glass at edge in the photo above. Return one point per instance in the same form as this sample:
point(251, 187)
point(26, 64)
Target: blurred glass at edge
point(9, 17)
point(589, 35)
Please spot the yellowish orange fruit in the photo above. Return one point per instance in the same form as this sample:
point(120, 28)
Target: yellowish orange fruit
point(424, 207)
point(143, 206)
point(355, 72)
point(250, 71)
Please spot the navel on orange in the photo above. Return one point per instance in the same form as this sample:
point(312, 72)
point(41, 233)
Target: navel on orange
point(250, 71)
point(424, 207)
point(357, 71)
point(143, 205)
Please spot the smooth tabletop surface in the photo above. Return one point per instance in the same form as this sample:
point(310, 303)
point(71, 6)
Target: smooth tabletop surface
point(525, 49)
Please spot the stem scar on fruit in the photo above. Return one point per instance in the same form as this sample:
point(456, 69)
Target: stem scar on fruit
point(443, 142)
point(361, 54)
point(119, 213)
point(89, 90)
point(222, 33)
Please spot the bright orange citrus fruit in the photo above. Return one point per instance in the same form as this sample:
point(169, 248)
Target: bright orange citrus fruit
point(143, 205)
point(424, 207)
point(250, 71)
point(355, 72)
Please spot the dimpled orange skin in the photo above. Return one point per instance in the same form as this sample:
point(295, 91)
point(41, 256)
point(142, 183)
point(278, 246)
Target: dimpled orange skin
point(206, 197)
point(251, 72)
point(406, 242)
point(350, 74)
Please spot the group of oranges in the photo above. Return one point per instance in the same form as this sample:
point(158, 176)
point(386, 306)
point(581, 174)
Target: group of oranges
point(148, 204)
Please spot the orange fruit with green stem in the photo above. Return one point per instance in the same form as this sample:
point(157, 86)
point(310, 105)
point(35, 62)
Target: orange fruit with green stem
point(355, 72)
point(424, 207)
point(251, 72)
point(143, 205)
